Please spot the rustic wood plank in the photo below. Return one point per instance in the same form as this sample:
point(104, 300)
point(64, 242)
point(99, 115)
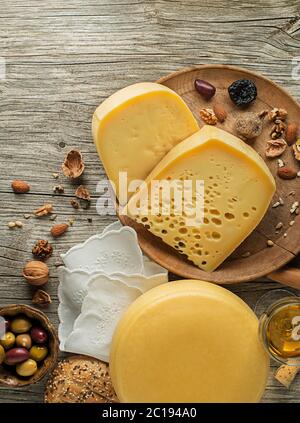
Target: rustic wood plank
point(63, 59)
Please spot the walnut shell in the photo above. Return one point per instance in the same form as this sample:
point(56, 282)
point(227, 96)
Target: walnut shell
point(36, 273)
point(73, 165)
point(83, 193)
point(80, 379)
point(275, 148)
point(10, 378)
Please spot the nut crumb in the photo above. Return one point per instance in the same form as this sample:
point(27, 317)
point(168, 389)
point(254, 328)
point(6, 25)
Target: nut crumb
point(281, 201)
point(59, 189)
point(44, 210)
point(53, 217)
point(11, 225)
point(71, 222)
point(292, 193)
point(74, 203)
point(285, 235)
point(280, 163)
point(55, 175)
point(246, 254)
point(276, 204)
point(291, 222)
point(279, 225)
point(26, 215)
point(294, 207)
point(270, 243)
point(19, 224)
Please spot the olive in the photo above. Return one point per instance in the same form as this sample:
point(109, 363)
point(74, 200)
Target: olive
point(38, 335)
point(16, 355)
point(27, 368)
point(38, 352)
point(2, 354)
point(20, 325)
point(204, 88)
point(24, 341)
point(8, 340)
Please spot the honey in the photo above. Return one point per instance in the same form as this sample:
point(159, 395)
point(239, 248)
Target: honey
point(280, 330)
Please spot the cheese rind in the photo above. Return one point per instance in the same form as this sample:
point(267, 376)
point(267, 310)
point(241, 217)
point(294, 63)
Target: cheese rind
point(188, 341)
point(238, 188)
point(135, 127)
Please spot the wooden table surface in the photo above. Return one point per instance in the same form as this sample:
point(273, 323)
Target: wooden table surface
point(63, 59)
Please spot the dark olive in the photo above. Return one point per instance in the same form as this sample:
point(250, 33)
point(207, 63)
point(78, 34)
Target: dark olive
point(16, 355)
point(38, 335)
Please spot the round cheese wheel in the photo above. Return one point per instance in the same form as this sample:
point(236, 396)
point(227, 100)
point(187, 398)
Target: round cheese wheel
point(188, 341)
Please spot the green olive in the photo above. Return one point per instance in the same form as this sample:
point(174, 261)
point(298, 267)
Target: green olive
point(24, 341)
point(8, 340)
point(38, 352)
point(2, 354)
point(27, 368)
point(20, 325)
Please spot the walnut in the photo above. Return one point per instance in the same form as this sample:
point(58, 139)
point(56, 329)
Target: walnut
point(208, 116)
point(83, 193)
point(73, 165)
point(44, 210)
point(36, 272)
point(296, 148)
point(42, 249)
point(276, 113)
point(41, 298)
point(278, 129)
point(275, 148)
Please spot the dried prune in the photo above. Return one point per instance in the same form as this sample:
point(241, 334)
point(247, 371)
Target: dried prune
point(242, 92)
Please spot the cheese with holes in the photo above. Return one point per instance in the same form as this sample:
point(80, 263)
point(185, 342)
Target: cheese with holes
point(135, 127)
point(188, 341)
point(238, 188)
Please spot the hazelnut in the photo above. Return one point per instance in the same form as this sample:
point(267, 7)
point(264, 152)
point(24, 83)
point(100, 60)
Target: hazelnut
point(36, 272)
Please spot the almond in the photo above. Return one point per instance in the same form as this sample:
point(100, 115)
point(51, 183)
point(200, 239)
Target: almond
point(20, 187)
point(59, 229)
point(286, 172)
point(291, 133)
point(220, 112)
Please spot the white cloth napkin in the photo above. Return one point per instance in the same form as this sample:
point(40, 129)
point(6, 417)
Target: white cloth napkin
point(102, 277)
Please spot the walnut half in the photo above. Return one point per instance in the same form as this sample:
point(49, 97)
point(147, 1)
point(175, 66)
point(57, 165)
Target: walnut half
point(275, 148)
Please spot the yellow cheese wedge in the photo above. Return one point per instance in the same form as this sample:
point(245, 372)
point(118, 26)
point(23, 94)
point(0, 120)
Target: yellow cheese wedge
point(135, 127)
point(188, 341)
point(238, 188)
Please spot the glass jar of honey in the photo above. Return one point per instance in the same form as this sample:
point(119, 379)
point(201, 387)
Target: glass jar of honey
point(279, 329)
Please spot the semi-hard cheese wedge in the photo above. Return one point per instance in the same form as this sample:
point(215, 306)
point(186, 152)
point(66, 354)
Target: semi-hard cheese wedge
point(135, 127)
point(188, 341)
point(238, 188)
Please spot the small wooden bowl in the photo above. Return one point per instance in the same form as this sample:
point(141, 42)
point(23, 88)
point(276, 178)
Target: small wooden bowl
point(10, 378)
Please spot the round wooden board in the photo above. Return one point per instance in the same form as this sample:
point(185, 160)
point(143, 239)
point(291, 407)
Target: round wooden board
point(263, 259)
